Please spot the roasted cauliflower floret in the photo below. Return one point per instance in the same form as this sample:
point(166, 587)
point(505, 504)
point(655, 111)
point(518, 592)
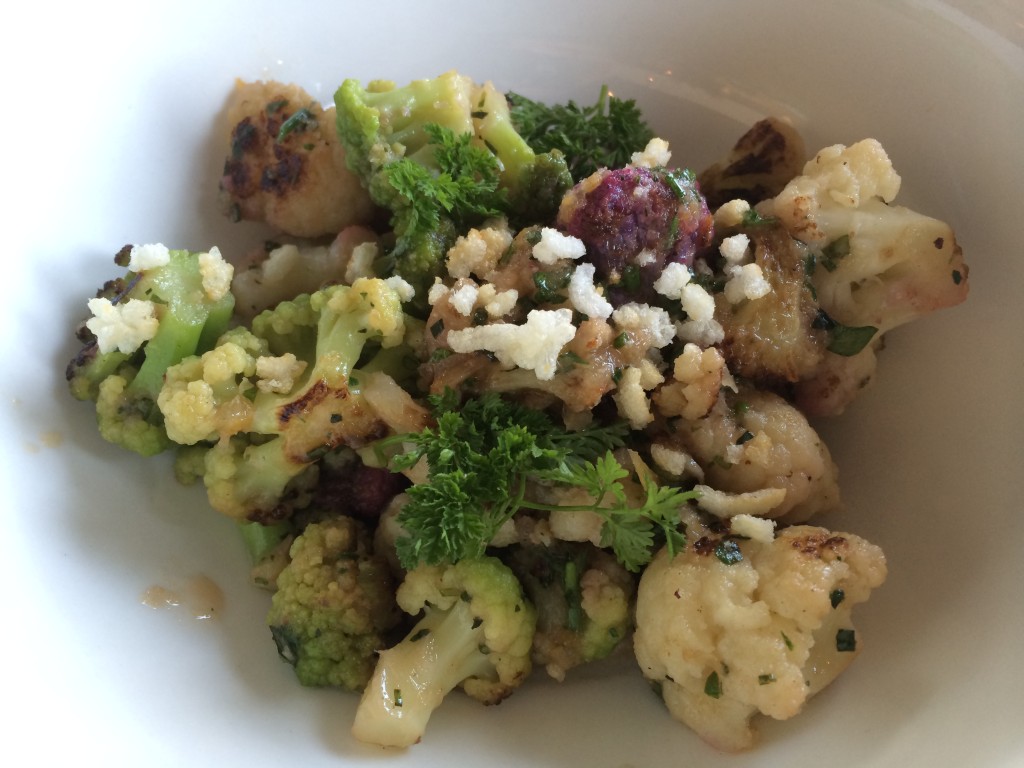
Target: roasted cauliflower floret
point(755, 440)
point(877, 265)
point(286, 166)
point(733, 627)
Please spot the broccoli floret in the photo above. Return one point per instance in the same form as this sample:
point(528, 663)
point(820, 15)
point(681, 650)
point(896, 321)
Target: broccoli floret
point(476, 632)
point(169, 305)
point(334, 605)
point(442, 155)
point(273, 400)
point(584, 602)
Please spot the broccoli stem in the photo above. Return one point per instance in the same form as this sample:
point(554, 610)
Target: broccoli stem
point(413, 677)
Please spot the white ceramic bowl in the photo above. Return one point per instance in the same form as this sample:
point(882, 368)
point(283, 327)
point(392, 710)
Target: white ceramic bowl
point(111, 136)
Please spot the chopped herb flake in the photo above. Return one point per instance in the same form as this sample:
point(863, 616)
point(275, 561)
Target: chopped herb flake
point(836, 596)
point(713, 686)
point(846, 640)
point(728, 552)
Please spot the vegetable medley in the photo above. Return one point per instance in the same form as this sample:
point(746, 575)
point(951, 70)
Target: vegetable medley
point(512, 390)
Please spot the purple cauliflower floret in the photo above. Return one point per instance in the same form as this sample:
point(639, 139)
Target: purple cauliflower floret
point(634, 221)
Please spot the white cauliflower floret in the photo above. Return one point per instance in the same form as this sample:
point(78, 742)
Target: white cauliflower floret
point(534, 345)
point(756, 441)
point(554, 246)
point(278, 374)
point(288, 270)
point(124, 326)
point(878, 265)
point(216, 274)
point(730, 628)
point(203, 397)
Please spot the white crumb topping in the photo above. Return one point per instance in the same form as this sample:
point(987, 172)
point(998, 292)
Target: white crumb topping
point(585, 296)
point(125, 326)
point(675, 462)
point(631, 399)
point(216, 274)
point(497, 303)
point(746, 282)
point(672, 279)
point(148, 257)
point(645, 257)
point(463, 297)
point(477, 252)
point(360, 263)
point(534, 345)
point(756, 528)
point(647, 319)
point(655, 154)
point(700, 326)
point(278, 374)
point(731, 214)
point(400, 286)
point(734, 248)
point(555, 245)
point(436, 292)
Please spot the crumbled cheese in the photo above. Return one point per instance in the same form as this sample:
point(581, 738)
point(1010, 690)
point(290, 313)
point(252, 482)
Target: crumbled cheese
point(585, 296)
point(746, 282)
point(645, 257)
point(278, 374)
point(672, 279)
point(675, 462)
point(534, 345)
point(477, 252)
point(650, 376)
point(648, 319)
point(497, 303)
point(734, 248)
point(463, 297)
point(360, 263)
point(148, 257)
point(554, 245)
point(700, 326)
point(216, 274)
point(731, 214)
point(655, 154)
point(437, 292)
point(125, 326)
point(756, 528)
point(400, 286)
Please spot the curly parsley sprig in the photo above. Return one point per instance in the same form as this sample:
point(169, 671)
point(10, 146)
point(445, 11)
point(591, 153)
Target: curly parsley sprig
point(481, 457)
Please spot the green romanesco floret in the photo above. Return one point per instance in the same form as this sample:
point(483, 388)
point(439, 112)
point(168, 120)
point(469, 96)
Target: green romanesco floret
point(475, 632)
point(169, 305)
point(584, 600)
point(442, 156)
point(334, 605)
point(273, 400)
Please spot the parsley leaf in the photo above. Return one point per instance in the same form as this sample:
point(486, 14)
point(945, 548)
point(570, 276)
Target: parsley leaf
point(605, 134)
point(482, 454)
point(460, 184)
